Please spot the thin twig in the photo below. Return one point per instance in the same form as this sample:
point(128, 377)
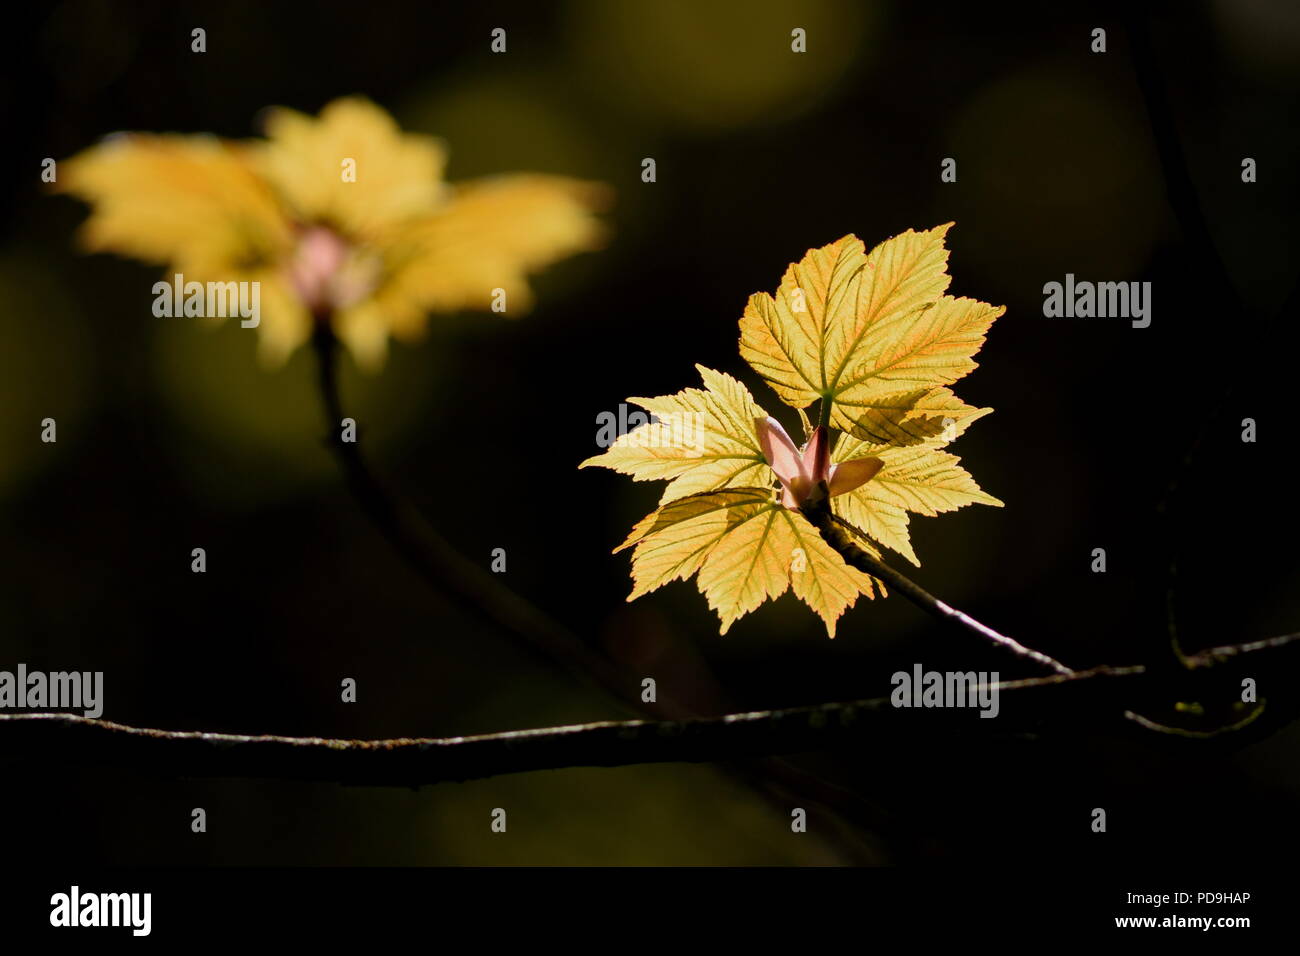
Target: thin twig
point(1095, 699)
point(1181, 194)
point(1211, 272)
point(1285, 646)
point(71, 739)
point(440, 564)
point(839, 534)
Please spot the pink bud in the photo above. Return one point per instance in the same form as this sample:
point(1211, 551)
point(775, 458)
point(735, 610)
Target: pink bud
point(317, 259)
point(800, 473)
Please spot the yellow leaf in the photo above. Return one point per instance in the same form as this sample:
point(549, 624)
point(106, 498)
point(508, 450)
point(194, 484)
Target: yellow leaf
point(191, 202)
point(881, 520)
point(704, 439)
point(745, 549)
point(876, 340)
point(341, 218)
point(351, 167)
point(910, 418)
point(491, 234)
point(864, 332)
point(824, 581)
point(918, 478)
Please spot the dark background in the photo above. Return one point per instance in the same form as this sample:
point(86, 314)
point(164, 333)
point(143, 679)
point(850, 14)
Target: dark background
point(172, 436)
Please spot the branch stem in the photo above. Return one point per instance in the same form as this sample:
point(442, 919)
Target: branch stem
point(440, 564)
point(1095, 699)
point(72, 739)
point(840, 534)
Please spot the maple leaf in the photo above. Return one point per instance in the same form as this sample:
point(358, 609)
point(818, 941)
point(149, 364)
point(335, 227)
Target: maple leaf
point(720, 515)
point(917, 478)
point(746, 548)
point(701, 440)
point(871, 335)
point(372, 253)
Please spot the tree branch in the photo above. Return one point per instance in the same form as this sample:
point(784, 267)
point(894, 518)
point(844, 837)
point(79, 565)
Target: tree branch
point(1209, 267)
point(1097, 698)
point(839, 534)
point(71, 739)
point(440, 564)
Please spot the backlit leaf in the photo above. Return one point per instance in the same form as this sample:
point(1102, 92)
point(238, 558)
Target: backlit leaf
point(918, 478)
point(876, 340)
point(704, 440)
point(745, 549)
point(865, 332)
